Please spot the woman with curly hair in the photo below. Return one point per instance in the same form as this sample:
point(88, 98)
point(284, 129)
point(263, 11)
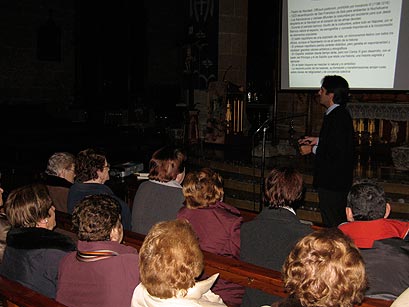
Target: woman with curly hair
point(170, 261)
point(216, 224)
point(325, 269)
point(102, 272)
point(92, 171)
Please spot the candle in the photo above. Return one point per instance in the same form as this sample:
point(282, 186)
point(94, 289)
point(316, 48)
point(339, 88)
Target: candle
point(241, 114)
point(361, 125)
point(234, 116)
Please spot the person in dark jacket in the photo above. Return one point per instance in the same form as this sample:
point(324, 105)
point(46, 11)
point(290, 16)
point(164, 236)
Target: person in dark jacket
point(59, 177)
point(334, 151)
point(103, 272)
point(381, 240)
point(268, 239)
point(33, 250)
point(160, 198)
point(92, 171)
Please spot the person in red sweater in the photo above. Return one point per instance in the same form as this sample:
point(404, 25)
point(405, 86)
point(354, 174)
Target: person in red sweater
point(381, 240)
point(367, 212)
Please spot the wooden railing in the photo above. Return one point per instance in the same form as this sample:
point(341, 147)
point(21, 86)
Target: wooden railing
point(17, 295)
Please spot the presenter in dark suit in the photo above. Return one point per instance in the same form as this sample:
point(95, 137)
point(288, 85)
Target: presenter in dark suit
point(333, 149)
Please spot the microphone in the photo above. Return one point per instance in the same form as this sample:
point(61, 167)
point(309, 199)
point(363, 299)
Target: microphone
point(264, 125)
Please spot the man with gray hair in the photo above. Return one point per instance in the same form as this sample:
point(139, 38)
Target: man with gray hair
point(59, 176)
point(382, 241)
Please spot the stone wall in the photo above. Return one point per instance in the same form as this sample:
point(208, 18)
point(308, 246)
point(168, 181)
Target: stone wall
point(233, 41)
point(24, 77)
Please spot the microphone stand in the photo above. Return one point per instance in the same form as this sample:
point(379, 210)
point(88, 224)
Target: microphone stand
point(263, 163)
point(264, 126)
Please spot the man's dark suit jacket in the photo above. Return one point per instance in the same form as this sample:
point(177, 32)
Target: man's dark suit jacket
point(266, 241)
point(334, 159)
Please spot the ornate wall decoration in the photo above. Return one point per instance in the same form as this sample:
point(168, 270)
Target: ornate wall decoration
point(201, 46)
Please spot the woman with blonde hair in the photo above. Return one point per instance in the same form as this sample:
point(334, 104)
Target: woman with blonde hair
point(216, 224)
point(33, 250)
point(324, 269)
point(170, 260)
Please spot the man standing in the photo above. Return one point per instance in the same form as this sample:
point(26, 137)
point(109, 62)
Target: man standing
point(333, 149)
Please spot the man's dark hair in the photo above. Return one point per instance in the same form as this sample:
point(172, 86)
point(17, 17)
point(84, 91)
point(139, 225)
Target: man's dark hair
point(339, 87)
point(87, 163)
point(367, 201)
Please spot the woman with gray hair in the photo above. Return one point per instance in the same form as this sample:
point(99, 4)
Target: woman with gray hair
point(59, 177)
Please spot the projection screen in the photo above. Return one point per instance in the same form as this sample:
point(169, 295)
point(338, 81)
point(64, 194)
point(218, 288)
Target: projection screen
point(365, 41)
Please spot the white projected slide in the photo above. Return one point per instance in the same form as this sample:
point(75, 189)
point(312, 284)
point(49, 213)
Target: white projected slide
point(357, 39)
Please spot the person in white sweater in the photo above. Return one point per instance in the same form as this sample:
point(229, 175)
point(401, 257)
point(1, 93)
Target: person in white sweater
point(170, 261)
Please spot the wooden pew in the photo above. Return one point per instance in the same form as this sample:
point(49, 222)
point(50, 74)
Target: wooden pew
point(237, 271)
point(15, 294)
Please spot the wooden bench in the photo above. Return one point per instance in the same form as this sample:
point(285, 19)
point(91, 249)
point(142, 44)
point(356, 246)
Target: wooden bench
point(17, 295)
point(236, 271)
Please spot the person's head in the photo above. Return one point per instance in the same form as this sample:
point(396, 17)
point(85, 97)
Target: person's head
point(170, 259)
point(366, 201)
point(30, 206)
point(98, 218)
point(283, 187)
point(62, 164)
point(166, 164)
point(334, 89)
point(325, 269)
point(202, 188)
point(91, 165)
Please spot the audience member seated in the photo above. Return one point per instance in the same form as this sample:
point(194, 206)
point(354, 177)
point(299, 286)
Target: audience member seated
point(402, 300)
point(92, 171)
point(324, 269)
point(33, 250)
point(367, 212)
point(380, 239)
point(170, 260)
point(59, 177)
point(268, 239)
point(102, 272)
point(160, 198)
point(216, 224)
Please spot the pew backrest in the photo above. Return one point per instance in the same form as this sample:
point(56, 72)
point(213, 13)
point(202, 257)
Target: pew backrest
point(15, 294)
